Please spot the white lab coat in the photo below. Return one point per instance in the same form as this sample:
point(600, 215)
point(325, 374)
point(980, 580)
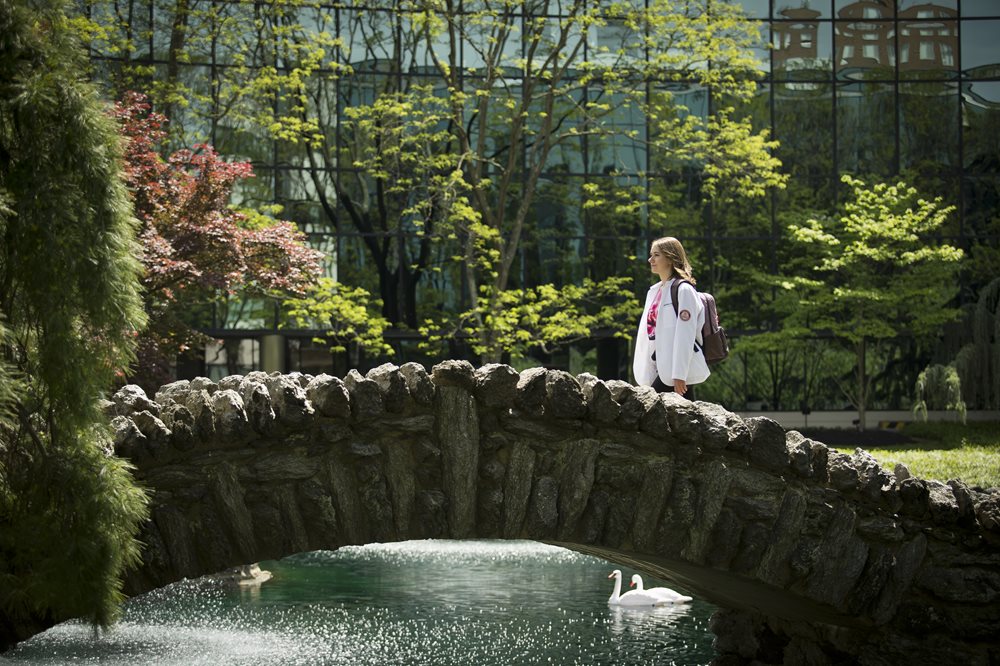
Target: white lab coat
point(676, 355)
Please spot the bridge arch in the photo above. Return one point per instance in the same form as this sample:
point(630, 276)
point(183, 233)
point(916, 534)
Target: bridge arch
point(817, 555)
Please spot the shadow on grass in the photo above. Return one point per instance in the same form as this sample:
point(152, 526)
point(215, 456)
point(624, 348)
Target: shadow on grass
point(939, 451)
point(914, 436)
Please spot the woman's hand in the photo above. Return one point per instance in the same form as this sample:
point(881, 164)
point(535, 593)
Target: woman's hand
point(680, 386)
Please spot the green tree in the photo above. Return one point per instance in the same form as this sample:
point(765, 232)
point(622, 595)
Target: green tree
point(70, 309)
point(450, 119)
point(874, 274)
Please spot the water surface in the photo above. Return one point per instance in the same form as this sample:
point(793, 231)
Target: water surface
point(418, 602)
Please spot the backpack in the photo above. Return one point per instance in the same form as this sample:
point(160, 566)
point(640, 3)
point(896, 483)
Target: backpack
point(715, 344)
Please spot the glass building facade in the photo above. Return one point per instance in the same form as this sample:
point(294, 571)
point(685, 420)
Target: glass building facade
point(881, 89)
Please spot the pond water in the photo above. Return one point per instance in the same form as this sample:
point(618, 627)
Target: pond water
point(416, 602)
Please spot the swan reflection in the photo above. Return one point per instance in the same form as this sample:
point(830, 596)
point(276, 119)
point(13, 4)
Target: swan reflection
point(644, 619)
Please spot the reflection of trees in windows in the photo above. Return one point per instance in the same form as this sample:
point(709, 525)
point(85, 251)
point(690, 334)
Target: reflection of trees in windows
point(866, 142)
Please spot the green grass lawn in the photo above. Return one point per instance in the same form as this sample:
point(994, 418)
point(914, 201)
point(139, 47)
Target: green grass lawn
point(948, 451)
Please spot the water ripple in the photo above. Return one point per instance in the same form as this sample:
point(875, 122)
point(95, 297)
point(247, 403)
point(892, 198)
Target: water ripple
point(417, 602)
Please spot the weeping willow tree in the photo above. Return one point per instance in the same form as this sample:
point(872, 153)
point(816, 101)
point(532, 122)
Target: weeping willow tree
point(69, 311)
point(979, 362)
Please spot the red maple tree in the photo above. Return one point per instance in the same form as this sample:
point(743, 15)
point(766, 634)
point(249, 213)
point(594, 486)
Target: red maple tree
point(195, 247)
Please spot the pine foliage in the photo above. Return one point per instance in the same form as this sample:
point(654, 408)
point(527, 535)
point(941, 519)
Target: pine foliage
point(69, 312)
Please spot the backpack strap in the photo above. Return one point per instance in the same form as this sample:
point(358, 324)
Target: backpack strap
point(674, 288)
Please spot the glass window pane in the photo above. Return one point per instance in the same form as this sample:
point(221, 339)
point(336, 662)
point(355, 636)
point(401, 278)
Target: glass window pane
point(928, 48)
point(803, 50)
point(623, 148)
point(299, 192)
point(367, 36)
point(865, 50)
point(128, 30)
point(553, 249)
point(479, 35)
point(803, 124)
point(980, 56)
point(191, 122)
point(981, 212)
point(981, 123)
point(864, 9)
point(255, 192)
point(758, 108)
point(865, 132)
point(754, 8)
point(799, 9)
point(928, 125)
point(239, 139)
point(614, 225)
point(922, 8)
point(979, 8)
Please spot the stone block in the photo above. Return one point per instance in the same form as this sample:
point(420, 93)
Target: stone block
point(231, 419)
point(530, 397)
point(366, 397)
point(455, 373)
point(129, 441)
point(564, 396)
point(543, 513)
point(392, 384)
point(601, 406)
point(942, 503)
point(329, 396)
point(915, 497)
point(203, 384)
point(988, 513)
point(966, 504)
point(180, 421)
point(199, 403)
point(635, 402)
point(232, 383)
point(257, 402)
point(842, 472)
point(130, 399)
point(419, 385)
point(155, 431)
point(496, 385)
point(517, 489)
point(703, 424)
point(172, 392)
point(288, 399)
point(964, 585)
point(767, 444)
point(872, 478)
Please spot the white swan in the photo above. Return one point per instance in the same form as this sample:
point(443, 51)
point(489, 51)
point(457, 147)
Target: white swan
point(633, 597)
point(664, 593)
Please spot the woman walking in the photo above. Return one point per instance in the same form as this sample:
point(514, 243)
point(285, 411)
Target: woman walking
point(668, 353)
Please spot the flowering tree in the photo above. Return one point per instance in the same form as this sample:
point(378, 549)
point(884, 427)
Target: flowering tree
point(196, 248)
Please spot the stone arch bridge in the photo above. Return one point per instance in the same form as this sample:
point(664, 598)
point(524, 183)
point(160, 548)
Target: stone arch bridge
point(816, 556)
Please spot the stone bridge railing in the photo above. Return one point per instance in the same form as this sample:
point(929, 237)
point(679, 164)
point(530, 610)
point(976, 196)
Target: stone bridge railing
point(818, 556)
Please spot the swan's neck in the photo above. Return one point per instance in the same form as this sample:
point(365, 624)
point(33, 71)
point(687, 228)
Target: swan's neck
point(618, 589)
point(638, 583)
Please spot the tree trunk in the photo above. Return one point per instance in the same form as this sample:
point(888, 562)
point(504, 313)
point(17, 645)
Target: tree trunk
point(862, 385)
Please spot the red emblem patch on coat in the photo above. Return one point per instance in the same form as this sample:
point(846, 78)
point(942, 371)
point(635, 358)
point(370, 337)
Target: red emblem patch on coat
point(684, 315)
